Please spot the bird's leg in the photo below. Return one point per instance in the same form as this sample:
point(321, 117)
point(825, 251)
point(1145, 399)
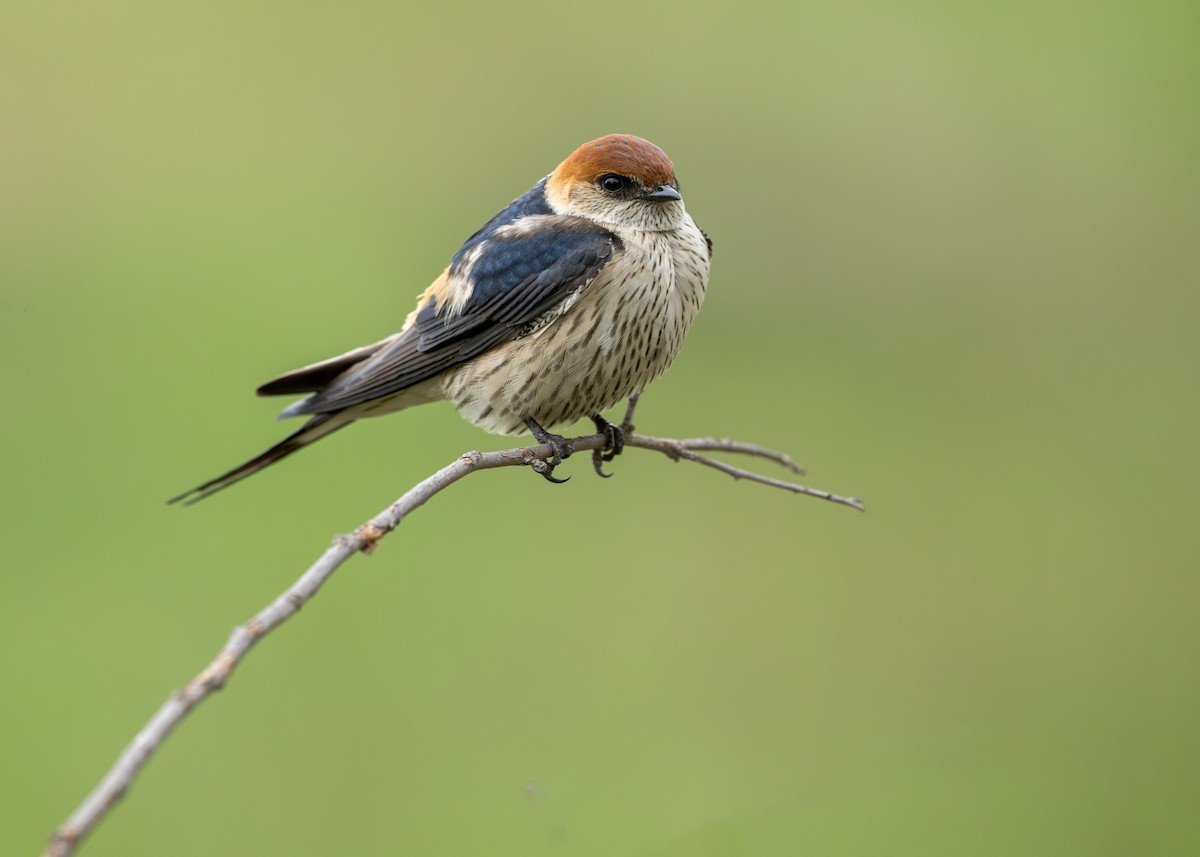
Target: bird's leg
point(614, 442)
point(560, 447)
point(627, 423)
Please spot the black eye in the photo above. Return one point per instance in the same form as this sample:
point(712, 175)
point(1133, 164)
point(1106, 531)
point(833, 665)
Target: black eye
point(613, 182)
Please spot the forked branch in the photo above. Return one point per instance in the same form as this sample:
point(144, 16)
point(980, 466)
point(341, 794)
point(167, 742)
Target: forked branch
point(121, 776)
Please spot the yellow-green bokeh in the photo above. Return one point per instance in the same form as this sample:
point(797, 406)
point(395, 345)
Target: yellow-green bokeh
point(956, 274)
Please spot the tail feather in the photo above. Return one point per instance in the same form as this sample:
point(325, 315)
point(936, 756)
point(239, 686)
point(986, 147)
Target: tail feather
point(312, 431)
point(317, 376)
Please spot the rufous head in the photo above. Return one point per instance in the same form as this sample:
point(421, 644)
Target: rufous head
point(619, 180)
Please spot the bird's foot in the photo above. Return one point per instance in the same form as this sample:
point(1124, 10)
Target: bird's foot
point(614, 443)
point(560, 449)
point(627, 423)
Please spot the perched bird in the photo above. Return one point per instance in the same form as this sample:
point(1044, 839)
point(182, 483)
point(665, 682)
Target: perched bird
point(570, 300)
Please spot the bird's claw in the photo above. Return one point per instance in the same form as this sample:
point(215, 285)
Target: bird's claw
point(560, 449)
point(546, 470)
point(614, 443)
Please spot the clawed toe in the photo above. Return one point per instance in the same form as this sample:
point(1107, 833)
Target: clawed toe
point(560, 449)
point(546, 470)
point(614, 443)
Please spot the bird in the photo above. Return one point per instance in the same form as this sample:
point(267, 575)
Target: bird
point(571, 299)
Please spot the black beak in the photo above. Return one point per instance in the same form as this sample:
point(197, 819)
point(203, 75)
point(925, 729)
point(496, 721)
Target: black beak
point(664, 193)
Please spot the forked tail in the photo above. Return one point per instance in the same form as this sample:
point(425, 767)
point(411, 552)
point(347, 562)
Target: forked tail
point(312, 431)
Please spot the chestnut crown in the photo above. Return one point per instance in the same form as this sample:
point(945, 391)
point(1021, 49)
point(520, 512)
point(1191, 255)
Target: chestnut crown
point(620, 155)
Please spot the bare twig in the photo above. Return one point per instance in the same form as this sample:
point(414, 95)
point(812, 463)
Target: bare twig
point(713, 444)
point(120, 777)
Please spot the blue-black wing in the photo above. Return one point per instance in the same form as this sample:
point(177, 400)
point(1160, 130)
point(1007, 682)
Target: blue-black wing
point(506, 277)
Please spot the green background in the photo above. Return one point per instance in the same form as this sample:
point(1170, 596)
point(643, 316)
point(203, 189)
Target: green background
point(956, 274)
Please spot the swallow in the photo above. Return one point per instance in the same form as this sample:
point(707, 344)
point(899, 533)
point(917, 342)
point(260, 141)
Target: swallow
point(573, 298)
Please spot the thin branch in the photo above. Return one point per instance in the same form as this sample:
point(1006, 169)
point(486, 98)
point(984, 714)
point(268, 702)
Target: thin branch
point(713, 444)
point(213, 677)
point(678, 449)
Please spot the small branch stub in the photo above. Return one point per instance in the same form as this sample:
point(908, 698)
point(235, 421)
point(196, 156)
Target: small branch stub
point(369, 535)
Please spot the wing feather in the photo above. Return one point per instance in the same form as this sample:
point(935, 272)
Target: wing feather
point(511, 281)
point(317, 376)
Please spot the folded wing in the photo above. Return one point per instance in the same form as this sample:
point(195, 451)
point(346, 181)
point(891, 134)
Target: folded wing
point(496, 290)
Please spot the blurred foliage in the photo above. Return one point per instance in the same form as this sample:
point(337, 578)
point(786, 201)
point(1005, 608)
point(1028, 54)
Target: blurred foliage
point(956, 274)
